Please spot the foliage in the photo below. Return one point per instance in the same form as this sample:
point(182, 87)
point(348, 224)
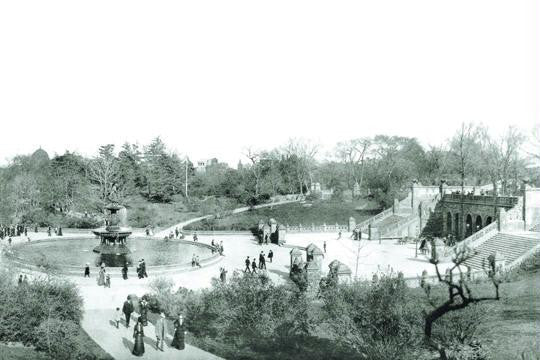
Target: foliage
point(380, 320)
point(24, 307)
point(57, 338)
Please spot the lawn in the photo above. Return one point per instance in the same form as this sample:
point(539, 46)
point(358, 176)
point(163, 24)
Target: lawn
point(27, 353)
point(318, 213)
point(19, 353)
point(516, 325)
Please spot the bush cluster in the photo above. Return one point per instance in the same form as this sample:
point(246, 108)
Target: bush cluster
point(44, 313)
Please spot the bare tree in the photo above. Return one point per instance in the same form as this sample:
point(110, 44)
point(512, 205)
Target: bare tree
point(303, 152)
point(104, 170)
point(256, 168)
point(460, 294)
point(353, 153)
point(500, 155)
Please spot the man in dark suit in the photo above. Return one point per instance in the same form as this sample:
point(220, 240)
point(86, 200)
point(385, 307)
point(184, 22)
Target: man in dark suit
point(127, 309)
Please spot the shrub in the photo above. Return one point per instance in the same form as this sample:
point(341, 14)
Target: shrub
point(24, 307)
point(58, 339)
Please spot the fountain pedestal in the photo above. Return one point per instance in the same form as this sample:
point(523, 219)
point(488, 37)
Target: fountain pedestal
point(113, 237)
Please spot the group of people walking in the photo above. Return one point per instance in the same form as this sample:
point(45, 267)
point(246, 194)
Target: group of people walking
point(141, 269)
point(160, 328)
point(251, 265)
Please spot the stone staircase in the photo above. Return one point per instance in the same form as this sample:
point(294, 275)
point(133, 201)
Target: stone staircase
point(512, 246)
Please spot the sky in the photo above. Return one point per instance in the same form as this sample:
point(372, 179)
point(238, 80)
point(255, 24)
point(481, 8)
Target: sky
point(214, 77)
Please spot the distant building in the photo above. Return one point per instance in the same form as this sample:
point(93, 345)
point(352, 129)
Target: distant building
point(202, 165)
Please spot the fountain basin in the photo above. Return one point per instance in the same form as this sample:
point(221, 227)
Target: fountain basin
point(69, 255)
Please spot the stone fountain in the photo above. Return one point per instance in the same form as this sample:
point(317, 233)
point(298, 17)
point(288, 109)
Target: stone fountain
point(112, 247)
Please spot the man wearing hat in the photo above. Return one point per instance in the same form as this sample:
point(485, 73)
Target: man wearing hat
point(160, 331)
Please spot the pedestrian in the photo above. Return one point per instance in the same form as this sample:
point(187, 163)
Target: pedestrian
point(339, 235)
point(20, 279)
point(262, 261)
point(117, 317)
point(223, 275)
point(144, 312)
point(248, 263)
point(254, 266)
point(25, 231)
point(9, 240)
point(160, 331)
point(179, 333)
point(176, 232)
point(139, 270)
point(25, 280)
point(101, 276)
point(195, 237)
point(87, 270)
point(324, 246)
point(143, 268)
point(213, 246)
point(108, 281)
point(220, 248)
point(49, 231)
point(125, 271)
point(138, 335)
point(193, 260)
point(270, 255)
point(127, 309)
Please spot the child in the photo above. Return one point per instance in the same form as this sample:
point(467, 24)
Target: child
point(117, 316)
point(108, 281)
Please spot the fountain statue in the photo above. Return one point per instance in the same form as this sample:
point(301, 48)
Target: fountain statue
point(113, 235)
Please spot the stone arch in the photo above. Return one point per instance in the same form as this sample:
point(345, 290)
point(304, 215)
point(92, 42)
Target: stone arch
point(489, 220)
point(449, 229)
point(468, 225)
point(478, 223)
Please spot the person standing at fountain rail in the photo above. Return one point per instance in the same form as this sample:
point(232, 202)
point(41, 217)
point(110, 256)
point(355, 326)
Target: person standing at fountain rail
point(138, 335)
point(127, 309)
point(270, 255)
point(179, 333)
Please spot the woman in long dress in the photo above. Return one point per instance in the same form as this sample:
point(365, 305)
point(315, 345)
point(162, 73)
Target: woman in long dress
point(101, 277)
point(138, 335)
point(179, 333)
point(144, 312)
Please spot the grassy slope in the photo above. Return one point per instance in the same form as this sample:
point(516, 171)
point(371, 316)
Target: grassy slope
point(329, 212)
point(516, 326)
point(25, 353)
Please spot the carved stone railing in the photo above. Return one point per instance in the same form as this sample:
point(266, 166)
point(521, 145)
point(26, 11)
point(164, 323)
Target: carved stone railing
point(503, 201)
point(479, 237)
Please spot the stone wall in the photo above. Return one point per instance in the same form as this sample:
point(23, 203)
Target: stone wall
point(531, 207)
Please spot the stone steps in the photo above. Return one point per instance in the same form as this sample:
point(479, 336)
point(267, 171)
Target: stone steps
point(510, 246)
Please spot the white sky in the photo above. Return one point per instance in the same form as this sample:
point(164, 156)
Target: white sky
point(212, 77)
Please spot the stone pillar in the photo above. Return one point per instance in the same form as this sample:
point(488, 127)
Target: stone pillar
point(352, 223)
point(296, 258)
point(373, 233)
point(313, 277)
point(314, 254)
point(395, 206)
